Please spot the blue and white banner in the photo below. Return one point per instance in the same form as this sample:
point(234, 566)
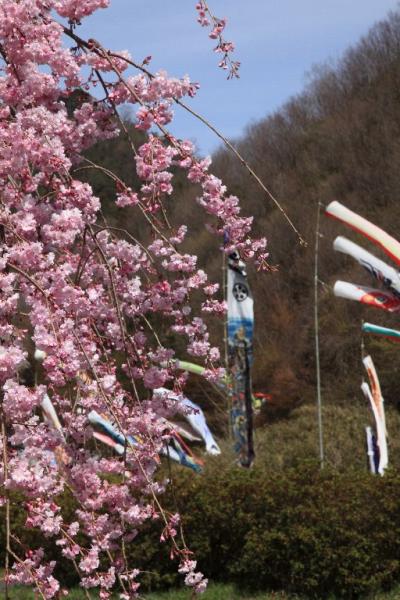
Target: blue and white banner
point(240, 304)
point(240, 344)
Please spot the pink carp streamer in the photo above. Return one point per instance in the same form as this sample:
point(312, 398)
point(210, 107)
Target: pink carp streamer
point(89, 295)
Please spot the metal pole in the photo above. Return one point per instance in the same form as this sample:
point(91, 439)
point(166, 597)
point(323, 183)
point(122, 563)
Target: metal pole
point(316, 329)
point(228, 390)
point(362, 342)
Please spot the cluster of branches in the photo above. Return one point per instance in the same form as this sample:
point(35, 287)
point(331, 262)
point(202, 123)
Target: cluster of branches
point(90, 293)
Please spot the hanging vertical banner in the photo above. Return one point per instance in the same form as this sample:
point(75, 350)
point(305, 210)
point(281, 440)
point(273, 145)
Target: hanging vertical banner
point(372, 451)
point(379, 330)
point(377, 235)
point(240, 304)
point(366, 295)
point(388, 276)
point(240, 345)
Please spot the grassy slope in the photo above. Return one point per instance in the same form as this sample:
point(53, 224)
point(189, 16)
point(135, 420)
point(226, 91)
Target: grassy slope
point(293, 440)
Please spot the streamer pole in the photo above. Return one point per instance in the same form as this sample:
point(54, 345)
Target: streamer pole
point(316, 329)
point(362, 341)
point(226, 350)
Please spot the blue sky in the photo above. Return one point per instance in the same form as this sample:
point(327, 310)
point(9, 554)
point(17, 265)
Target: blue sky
point(278, 42)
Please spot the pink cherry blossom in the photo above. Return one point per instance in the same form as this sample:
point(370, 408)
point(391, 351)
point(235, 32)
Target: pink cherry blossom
point(90, 293)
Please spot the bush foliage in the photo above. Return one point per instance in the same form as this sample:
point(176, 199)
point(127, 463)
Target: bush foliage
point(299, 530)
point(305, 531)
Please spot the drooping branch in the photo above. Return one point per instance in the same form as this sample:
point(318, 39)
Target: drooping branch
point(95, 47)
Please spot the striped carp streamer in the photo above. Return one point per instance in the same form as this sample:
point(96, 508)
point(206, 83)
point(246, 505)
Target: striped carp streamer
point(373, 394)
point(51, 416)
point(387, 299)
point(366, 295)
point(388, 276)
point(117, 440)
point(393, 334)
point(195, 417)
point(377, 235)
point(372, 451)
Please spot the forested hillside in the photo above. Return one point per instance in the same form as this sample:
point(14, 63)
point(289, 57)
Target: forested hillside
point(338, 140)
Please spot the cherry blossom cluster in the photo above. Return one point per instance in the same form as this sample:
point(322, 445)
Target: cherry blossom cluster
point(223, 47)
point(155, 94)
point(90, 296)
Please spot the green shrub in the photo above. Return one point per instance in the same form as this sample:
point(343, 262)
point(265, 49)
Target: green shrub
point(303, 531)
